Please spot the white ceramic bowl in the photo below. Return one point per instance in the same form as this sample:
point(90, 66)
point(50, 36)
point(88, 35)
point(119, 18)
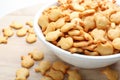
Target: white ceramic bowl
point(82, 61)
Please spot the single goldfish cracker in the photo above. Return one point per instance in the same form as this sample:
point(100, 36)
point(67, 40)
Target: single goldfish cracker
point(54, 14)
point(105, 49)
point(43, 22)
point(73, 75)
point(108, 12)
point(8, 32)
point(60, 66)
point(91, 53)
point(113, 33)
point(36, 55)
point(87, 12)
point(51, 27)
point(74, 14)
point(27, 61)
point(78, 22)
point(16, 25)
point(55, 75)
point(115, 17)
point(65, 43)
point(77, 7)
point(78, 38)
point(81, 44)
point(94, 33)
point(74, 32)
point(110, 74)
point(87, 36)
point(101, 21)
point(29, 23)
point(89, 23)
point(67, 27)
point(75, 50)
point(43, 67)
point(31, 38)
point(116, 43)
point(31, 30)
point(90, 47)
point(3, 39)
point(22, 74)
point(46, 78)
point(53, 36)
point(59, 23)
point(21, 32)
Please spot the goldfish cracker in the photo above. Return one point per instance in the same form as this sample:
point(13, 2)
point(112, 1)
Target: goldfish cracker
point(90, 47)
point(116, 43)
point(78, 22)
point(16, 25)
point(8, 32)
point(89, 23)
point(59, 23)
point(91, 53)
point(67, 27)
point(29, 23)
point(115, 17)
point(31, 30)
point(74, 32)
point(22, 74)
point(87, 36)
point(43, 22)
point(113, 33)
point(87, 12)
point(43, 67)
point(95, 32)
point(52, 73)
point(75, 50)
point(51, 27)
point(36, 55)
point(73, 75)
point(105, 49)
point(54, 14)
point(27, 61)
point(21, 32)
point(77, 7)
point(101, 21)
point(81, 44)
point(74, 14)
point(111, 74)
point(60, 66)
point(53, 36)
point(65, 43)
point(3, 39)
point(31, 38)
point(78, 38)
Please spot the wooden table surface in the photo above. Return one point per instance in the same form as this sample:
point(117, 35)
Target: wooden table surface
point(11, 52)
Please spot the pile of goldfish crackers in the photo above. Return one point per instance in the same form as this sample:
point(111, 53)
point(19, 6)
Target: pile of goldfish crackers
point(90, 27)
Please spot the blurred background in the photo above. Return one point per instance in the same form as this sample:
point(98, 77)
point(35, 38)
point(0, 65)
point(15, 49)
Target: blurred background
point(7, 6)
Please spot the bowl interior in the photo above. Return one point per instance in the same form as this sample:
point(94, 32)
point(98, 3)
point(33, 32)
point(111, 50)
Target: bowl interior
point(42, 38)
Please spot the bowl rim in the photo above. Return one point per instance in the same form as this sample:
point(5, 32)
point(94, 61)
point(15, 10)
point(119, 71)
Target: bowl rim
point(38, 30)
